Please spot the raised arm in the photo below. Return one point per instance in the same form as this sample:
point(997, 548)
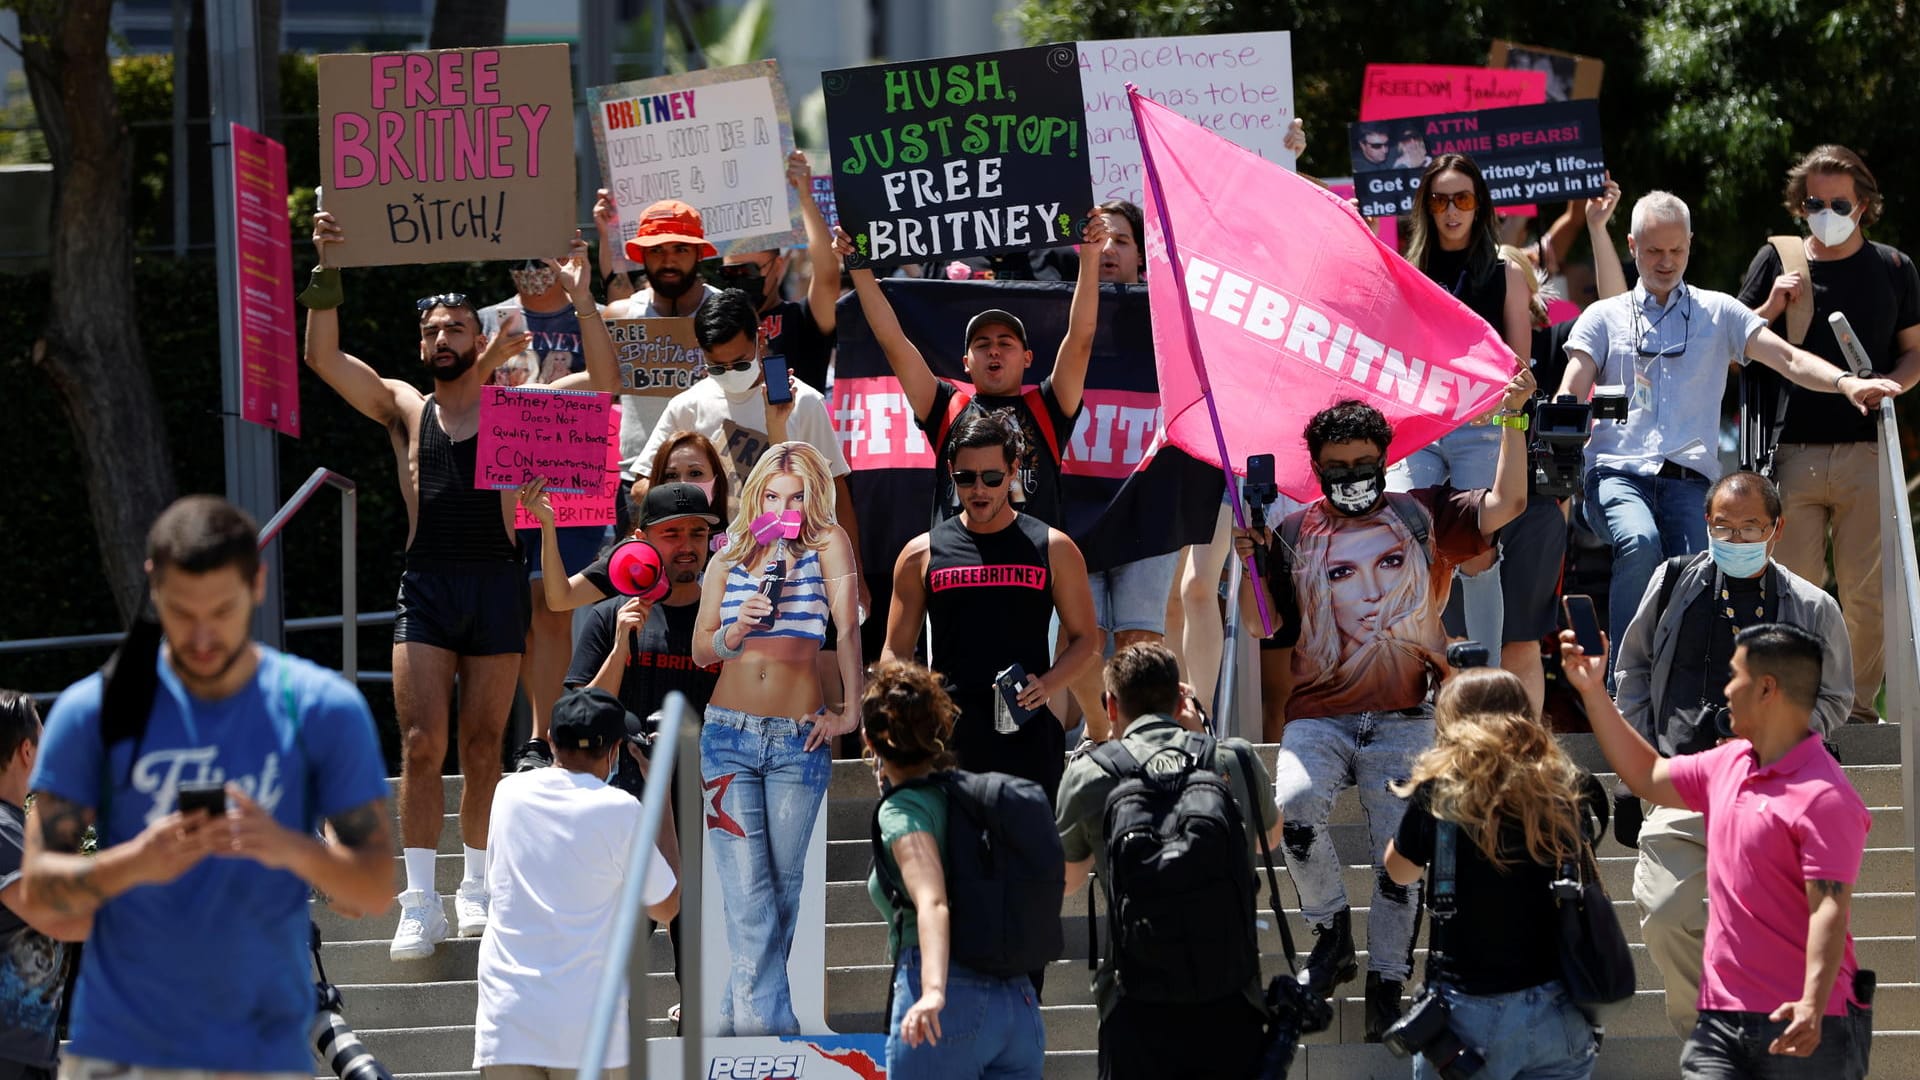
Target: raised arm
point(1508, 496)
point(1609, 277)
point(909, 605)
point(917, 380)
point(824, 290)
point(1516, 314)
point(1642, 769)
point(376, 398)
point(596, 344)
point(1070, 363)
point(618, 285)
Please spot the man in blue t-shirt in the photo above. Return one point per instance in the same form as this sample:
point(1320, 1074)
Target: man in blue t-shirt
point(197, 957)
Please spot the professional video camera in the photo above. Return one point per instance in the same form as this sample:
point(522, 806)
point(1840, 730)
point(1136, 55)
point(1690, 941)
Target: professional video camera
point(332, 1038)
point(1560, 430)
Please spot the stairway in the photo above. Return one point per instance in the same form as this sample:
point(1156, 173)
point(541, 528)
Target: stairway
point(417, 1017)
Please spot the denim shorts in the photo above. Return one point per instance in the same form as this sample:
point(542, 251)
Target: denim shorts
point(1133, 596)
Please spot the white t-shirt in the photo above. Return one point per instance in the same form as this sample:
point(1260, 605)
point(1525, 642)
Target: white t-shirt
point(737, 427)
point(639, 412)
point(555, 864)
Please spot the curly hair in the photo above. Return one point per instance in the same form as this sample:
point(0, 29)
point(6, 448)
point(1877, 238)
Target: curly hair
point(1347, 421)
point(1492, 764)
point(907, 717)
point(785, 459)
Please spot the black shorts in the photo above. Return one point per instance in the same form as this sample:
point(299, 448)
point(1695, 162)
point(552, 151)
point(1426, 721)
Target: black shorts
point(469, 609)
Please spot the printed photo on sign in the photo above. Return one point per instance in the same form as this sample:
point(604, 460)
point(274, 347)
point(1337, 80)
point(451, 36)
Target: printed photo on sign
point(448, 155)
point(964, 155)
point(1239, 85)
point(1530, 154)
point(714, 139)
point(658, 357)
point(1570, 76)
point(559, 435)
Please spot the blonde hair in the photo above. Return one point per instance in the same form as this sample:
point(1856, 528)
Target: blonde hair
point(1318, 650)
point(816, 486)
point(1536, 303)
point(1493, 764)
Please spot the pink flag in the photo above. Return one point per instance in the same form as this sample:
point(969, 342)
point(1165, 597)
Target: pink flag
point(1271, 297)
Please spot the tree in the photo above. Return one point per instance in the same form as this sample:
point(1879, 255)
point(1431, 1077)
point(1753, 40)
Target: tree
point(90, 349)
point(460, 24)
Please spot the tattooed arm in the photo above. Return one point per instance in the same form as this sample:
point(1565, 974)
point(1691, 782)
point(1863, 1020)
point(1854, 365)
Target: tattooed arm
point(1827, 906)
point(356, 873)
point(56, 878)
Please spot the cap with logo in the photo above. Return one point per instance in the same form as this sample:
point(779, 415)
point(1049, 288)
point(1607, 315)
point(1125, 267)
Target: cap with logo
point(667, 502)
point(669, 221)
point(996, 317)
point(587, 719)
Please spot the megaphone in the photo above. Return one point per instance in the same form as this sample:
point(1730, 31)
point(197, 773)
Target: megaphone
point(636, 569)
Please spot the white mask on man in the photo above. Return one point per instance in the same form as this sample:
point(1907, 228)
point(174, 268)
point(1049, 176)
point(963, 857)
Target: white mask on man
point(1831, 228)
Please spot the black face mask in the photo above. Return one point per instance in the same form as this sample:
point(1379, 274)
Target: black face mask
point(747, 278)
point(1354, 489)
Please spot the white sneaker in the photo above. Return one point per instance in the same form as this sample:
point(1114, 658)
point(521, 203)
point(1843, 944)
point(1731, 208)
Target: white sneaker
point(470, 908)
point(422, 926)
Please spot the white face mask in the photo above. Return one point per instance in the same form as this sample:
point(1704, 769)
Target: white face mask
point(737, 384)
point(1830, 228)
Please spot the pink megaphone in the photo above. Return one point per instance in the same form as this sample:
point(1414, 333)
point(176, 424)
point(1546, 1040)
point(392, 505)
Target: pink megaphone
point(636, 569)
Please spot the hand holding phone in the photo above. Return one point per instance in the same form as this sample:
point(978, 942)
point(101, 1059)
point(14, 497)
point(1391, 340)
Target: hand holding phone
point(779, 388)
point(1584, 624)
point(203, 796)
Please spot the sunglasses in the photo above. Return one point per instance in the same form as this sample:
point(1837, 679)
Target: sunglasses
point(1373, 145)
point(445, 299)
point(992, 478)
point(737, 365)
point(1462, 200)
point(1843, 207)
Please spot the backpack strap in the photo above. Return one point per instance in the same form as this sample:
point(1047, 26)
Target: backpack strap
point(1042, 419)
point(1411, 514)
point(1115, 759)
point(957, 403)
point(1247, 773)
point(1793, 260)
point(1670, 581)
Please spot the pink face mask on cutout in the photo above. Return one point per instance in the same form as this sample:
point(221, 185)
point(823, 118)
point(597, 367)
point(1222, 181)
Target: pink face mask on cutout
point(770, 526)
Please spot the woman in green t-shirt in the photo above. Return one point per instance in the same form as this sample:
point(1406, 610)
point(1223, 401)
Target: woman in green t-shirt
point(994, 1024)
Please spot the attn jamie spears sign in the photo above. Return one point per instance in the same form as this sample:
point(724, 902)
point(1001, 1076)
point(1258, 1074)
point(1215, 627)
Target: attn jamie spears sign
point(963, 155)
point(448, 155)
point(1528, 154)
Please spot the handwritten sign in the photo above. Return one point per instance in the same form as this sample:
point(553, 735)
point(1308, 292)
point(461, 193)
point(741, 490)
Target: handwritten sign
point(562, 435)
point(714, 139)
point(269, 364)
point(1570, 76)
point(658, 357)
point(1533, 153)
point(1236, 85)
point(448, 155)
point(585, 508)
point(1393, 91)
point(823, 198)
point(965, 155)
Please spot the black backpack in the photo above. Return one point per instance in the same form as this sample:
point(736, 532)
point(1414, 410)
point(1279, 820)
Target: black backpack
point(1005, 872)
point(1180, 887)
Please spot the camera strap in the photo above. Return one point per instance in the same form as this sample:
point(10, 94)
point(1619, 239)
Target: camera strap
point(1443, 897)
point(1266, 855)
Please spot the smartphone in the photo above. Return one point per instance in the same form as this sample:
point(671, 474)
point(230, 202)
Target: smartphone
point(512, 321)
point(1010, 683)
point(204, 796)
point(1584, 624)
point(778, 392)
point(1260, 471)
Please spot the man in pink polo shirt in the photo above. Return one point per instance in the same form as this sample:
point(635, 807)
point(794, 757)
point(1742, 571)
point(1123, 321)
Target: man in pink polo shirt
point(1781, 995)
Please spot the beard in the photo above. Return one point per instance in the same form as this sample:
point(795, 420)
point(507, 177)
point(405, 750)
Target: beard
point(462, 363)
point(671, 290)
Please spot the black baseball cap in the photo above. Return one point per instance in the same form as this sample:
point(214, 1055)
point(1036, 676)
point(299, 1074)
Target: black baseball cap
point(996, 317)
point(666, 502)
point(587, 719)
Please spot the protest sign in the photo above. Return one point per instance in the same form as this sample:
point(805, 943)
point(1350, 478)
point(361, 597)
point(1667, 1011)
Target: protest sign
point(269, 368)
point(448, 155)
point(561, 435)
point(1386, 228)
point(823, 198)
point(716, 140)
point(1287, 329)
point(1392, 91)
point(593, 507)
point(1570, 76)
point(964, 155)
point(1533, 153)
point(1238, 85)
point(658, 357)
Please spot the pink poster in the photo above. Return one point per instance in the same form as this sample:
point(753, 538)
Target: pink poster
point(269, 360)
point(584, 508)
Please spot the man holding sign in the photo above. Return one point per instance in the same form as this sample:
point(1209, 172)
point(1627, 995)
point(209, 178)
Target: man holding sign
point(462, 607)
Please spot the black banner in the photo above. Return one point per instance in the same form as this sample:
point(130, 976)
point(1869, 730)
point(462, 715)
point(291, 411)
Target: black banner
point(964, 155)
point(1528, 154)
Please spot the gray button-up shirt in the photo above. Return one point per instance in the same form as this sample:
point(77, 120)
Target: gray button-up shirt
point(1671, 362)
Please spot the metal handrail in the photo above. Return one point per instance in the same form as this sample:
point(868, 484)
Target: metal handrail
point(88, 641)
point(349, 562)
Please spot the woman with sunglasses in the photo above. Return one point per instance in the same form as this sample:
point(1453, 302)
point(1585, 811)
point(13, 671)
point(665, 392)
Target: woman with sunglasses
point(765, 754)
point(1454, 242)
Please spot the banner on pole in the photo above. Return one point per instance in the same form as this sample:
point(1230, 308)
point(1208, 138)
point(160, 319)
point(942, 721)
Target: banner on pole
point(269, 353)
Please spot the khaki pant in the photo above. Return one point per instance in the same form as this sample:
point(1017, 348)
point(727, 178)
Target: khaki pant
point(1836, 489)
point(1670, 885)
point(85, 1068)
point(535, 1072)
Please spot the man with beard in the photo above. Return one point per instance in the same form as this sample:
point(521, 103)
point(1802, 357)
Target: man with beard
point(801, 332)
point(462, 607)
point(989, 583)
point(1359, 579)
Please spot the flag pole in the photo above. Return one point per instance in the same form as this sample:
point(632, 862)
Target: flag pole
point(1193, 352)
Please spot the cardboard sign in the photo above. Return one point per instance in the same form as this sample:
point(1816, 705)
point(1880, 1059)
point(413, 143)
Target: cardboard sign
point(448, 155)
point(1239, 85)
point(964, 155)
point(658, 357)
point(269, 364)
point(1393, 91)
point(562, 435)
point(1570, 76)
point(1534, 153)
point(716, 140)
point(587, 507)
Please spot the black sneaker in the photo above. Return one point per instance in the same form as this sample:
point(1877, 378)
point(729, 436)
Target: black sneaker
point(536, 754)
point(1333, 960)
point(1383, 1005)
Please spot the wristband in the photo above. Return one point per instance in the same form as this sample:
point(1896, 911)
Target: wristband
point(323, 292)
point(720, 647)
point(1836, 379)
point(590, 313)
point(1517, 422)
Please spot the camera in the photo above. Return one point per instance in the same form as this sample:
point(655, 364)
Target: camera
point(1467, 654)
point(1560, 431)
point(1610, 403)
point(1292, 1011)
point(1427, 1030)
point(333, 1039)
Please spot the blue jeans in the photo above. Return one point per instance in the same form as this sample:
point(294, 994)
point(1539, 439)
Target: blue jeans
point(1464, 458)
point(1733, 1046)
point(1648, 519)
point(990, 1027)
point(1531, 1034)
point(764, 792)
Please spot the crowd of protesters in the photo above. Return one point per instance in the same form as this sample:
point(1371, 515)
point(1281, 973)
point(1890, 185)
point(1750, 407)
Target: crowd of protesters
point(1725, 665)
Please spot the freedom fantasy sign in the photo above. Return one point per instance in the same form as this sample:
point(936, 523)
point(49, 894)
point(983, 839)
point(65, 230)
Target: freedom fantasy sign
point(965, 155)
point(448, 155)
point(716, 140)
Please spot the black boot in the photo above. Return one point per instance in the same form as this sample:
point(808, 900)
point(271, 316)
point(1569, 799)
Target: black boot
point(1383, 1005)
point(1332, 961)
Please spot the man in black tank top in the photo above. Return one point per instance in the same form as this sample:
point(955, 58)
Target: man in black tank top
point(989, 581)
point(462, 608)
